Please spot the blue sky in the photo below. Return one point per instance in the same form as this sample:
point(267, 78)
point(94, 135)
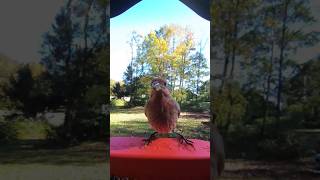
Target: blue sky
point(145, 17)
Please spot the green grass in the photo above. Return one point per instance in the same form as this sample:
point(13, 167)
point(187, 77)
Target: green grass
point(29, 157)
point(133, 122)
point(53, 172)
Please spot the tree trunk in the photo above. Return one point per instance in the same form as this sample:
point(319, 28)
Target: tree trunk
point(226, 61)
point(86, 22)
point(266, 107)
point(234, 40)
point(198, 77)
point(68, 112)
point(281, 59)
point(174, 84)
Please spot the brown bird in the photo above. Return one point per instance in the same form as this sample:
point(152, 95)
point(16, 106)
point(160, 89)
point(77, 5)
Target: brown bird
point(162, 111)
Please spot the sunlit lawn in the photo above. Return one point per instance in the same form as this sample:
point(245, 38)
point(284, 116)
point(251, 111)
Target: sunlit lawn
point(133, 122)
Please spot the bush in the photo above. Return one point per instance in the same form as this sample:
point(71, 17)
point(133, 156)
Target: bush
point(96, 128)
point(7, 132)
point(118, 103)
point(241, 141)
point(57, 137)
point(28, 128)
point(195, 106)
point(285, 147)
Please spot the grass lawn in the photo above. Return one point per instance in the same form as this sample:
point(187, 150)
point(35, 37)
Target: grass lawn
point(133, 122)
point(29, 158)
point(53, 172)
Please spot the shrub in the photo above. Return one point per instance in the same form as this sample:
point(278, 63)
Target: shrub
point(118, 102)
point(285, 147)
point(195, 106)
point(7, 132)
point(95, 128)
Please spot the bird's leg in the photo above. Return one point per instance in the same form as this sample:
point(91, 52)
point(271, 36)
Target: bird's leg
point(150, 139)
point(183, 139)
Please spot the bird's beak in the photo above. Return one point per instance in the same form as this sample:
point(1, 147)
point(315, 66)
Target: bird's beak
point(157, 86)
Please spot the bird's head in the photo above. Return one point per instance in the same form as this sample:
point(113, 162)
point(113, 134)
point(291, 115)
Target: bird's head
point(158, 84)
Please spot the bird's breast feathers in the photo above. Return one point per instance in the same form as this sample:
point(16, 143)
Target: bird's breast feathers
point(163, 110)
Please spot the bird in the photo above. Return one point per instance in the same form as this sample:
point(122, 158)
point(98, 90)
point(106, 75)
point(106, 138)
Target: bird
point(162, 111)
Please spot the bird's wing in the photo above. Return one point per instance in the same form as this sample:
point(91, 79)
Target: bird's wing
point(146, 107)
point(178, 108)
point(174, 106)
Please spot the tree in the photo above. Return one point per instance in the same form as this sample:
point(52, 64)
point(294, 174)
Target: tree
point(118, 90)
point(165, 52)
point(292, 12)
point(271, 40)
point(200, 68)
point(27, 92)
point(230, 22)
point(302, 92)
point(57, 52)
point(7, 68)
point(75, 52)
point(229, 106)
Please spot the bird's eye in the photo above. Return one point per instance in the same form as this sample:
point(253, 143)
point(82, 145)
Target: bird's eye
point(165, 84)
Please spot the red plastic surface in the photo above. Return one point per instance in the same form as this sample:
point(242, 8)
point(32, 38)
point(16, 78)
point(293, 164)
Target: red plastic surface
point(164, 158)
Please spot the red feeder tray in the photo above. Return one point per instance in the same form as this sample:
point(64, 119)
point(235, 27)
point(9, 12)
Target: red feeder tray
point(162, 159)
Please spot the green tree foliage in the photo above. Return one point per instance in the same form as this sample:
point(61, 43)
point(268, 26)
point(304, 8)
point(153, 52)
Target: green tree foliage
point(7, 68)
point(167, 53)
point(230, 106)
point(200, 69)
point(7, 132)
point(27, 91)
point(118, 90)
point(302, 91)
point(229, 24)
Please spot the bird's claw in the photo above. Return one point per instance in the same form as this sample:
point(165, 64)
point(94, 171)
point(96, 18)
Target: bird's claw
point(147, 141)
point(183, 139)
point(150, 139)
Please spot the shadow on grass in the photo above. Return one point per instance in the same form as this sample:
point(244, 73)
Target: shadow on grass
point(124, 110)
point(142, 129)
point(34, 151)
point(195, 115)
